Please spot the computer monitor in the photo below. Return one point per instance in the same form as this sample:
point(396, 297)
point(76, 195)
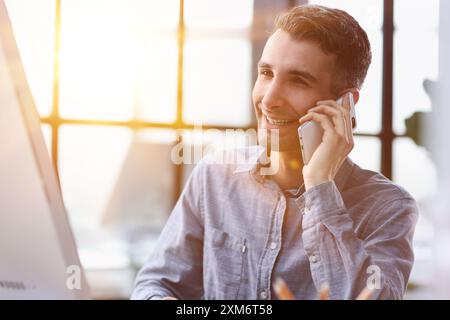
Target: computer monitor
point(38, 255)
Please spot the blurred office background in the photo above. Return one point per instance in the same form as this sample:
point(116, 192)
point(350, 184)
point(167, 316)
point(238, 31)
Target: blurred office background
point(118, 83)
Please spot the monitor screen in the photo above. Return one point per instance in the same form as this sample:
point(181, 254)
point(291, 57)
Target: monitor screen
point(38, 256)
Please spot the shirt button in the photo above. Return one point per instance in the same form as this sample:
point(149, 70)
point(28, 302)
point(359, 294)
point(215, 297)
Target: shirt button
point(263, 295)
point(313, 258)
point(306, 210)
point(273, 245)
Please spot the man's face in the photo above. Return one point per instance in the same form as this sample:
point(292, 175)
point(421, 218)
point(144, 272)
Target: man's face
point(292, 76)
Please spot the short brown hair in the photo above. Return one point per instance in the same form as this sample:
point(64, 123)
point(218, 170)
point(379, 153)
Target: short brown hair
point(337, 33)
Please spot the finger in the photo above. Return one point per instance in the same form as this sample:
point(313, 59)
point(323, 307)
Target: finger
point(332, 103)
point(336, 115)
point(345, 108)
point(306, 117)
point(327, 102)
point(321, 119)
point(324, 292)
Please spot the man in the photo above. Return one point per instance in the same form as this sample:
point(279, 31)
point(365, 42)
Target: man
point(327, 223)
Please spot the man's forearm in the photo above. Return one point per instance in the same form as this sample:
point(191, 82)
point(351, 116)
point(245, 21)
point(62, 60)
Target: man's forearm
point(346, 263)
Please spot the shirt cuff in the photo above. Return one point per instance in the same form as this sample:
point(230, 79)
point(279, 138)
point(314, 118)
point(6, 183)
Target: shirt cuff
point(320, 202)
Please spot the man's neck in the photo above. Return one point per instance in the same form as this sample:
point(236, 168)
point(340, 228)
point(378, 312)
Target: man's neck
point(290, 165)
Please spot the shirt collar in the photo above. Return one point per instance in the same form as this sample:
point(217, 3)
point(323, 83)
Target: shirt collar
point(251, 160)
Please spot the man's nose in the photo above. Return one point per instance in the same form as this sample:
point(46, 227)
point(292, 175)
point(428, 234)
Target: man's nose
point(273, 97)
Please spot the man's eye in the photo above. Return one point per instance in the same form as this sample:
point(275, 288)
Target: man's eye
point(299, 81)
point(264, 72)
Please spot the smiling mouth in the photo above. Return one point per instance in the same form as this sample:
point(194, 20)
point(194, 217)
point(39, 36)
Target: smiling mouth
point(278, 122)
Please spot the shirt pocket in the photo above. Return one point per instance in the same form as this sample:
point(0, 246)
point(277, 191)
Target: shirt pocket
point(223, 264)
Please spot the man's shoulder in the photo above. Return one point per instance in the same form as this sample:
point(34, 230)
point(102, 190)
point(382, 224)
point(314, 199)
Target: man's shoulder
point(375, 185)
point(376, 198)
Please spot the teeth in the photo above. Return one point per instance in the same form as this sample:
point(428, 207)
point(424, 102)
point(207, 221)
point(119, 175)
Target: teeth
point(278, 122)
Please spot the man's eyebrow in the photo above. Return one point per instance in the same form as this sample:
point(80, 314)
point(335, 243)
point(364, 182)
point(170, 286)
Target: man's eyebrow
point(303, 74)
point(262, 64)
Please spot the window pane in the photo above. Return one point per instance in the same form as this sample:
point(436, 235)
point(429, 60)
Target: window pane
point(408, 13)
point(415, 57)
point(218, 14)
point(217, 82)
point(369, 15)
point(33, 26)
point(90, 159)
point(108, 59)
point(156, 87)
point(413, 169)
point(412, 66)
point(366, 153)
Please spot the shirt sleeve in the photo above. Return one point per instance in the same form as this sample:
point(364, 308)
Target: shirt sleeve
point(175, 266)
point(380, 260)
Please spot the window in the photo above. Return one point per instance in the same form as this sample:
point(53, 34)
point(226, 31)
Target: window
point(116, 63)
point(217, 49)
point(415, 59)
point(415, 56)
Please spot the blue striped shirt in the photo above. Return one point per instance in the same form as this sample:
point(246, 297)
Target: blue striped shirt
point(233, 231)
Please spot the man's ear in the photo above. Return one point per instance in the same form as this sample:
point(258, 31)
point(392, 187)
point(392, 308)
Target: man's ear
point(355, 93)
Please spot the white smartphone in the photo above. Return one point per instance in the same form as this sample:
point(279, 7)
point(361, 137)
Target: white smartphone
point(310, 133)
